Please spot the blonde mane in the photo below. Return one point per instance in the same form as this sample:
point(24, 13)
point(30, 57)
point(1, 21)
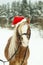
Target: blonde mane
point(12, 46)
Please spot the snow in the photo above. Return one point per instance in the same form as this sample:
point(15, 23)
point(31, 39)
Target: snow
point(4, 36)
point(35, 45)
point(36, 48)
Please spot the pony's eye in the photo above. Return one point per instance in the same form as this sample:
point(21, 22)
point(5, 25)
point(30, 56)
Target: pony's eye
point(21, 38)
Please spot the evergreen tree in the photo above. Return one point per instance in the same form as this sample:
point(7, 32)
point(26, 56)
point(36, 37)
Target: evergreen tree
point(24, 7)
point(14, 8)
point(7, 13)
point(18, 8)
point(31, 8)
point(0, 10)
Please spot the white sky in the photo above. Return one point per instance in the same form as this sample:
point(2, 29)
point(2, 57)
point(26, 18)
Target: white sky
point(6, 1)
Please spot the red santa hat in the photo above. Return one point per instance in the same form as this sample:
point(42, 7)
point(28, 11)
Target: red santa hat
point(18, 19)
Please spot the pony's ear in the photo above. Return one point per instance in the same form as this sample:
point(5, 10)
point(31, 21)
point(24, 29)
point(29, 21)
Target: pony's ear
point(28, 20)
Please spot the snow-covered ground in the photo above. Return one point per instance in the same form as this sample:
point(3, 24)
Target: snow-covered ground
point(36, 48)
point(4, 36)
point(35, 45)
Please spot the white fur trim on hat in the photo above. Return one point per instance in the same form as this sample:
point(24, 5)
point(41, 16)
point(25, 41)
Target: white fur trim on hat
point(24, 20)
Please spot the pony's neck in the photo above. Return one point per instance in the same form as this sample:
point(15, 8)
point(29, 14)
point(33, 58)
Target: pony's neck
point(13, 47)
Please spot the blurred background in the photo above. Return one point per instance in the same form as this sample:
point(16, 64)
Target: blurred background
point(28, 8)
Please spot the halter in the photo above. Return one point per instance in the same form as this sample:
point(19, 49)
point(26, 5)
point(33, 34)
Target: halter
point(16, 52)
point(24, 34)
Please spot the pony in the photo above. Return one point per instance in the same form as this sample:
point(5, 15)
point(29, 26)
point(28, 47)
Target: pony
point(18, 44)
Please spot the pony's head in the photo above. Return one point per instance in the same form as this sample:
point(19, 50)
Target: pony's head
point(23, 32)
